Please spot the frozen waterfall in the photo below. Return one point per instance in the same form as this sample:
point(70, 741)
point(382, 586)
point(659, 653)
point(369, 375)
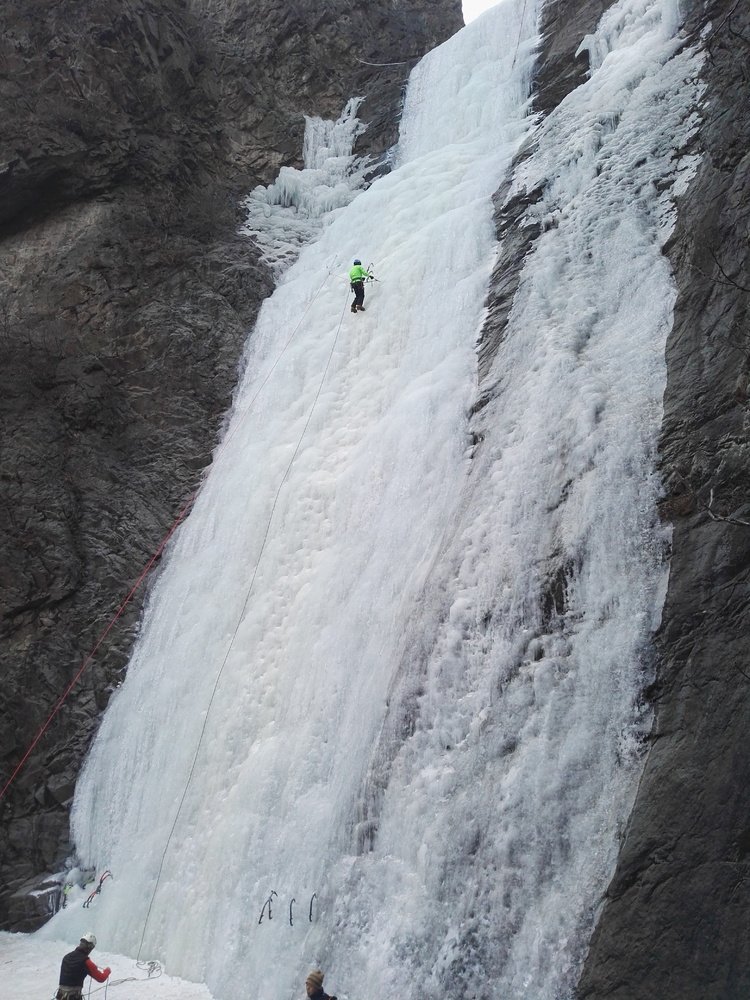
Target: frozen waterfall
point(422, 635)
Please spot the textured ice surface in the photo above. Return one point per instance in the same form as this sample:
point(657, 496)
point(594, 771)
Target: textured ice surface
point(423, 659)
point(289, 213)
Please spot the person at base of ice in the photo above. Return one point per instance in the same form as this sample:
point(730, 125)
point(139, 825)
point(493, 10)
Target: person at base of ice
point(314, 986)
point(76, 965)
point(357, 276)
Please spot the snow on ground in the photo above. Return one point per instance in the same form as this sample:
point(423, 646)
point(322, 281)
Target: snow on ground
point(29, 970)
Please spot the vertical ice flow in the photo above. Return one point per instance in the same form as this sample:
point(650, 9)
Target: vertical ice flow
point(289, 213)
point(427, 702)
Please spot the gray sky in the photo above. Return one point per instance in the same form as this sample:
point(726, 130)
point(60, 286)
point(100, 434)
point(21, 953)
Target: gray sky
point(474, 7)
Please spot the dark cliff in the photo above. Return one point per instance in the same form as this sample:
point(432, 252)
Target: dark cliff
point(129, 132)
point(675, 920)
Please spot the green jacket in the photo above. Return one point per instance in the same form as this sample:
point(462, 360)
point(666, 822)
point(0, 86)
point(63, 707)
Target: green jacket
point(358, 273)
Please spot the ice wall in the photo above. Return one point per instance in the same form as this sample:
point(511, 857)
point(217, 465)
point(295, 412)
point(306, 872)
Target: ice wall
point(290, 213)
point(389, 665)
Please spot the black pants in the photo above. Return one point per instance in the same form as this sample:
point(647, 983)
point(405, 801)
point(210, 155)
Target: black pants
point(358, 287)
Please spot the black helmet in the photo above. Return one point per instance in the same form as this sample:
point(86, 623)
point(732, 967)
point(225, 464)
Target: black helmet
point(357, 261)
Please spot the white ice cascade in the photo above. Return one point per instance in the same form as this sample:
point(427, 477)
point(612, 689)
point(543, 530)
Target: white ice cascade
point(289, 213)
point(427, 717)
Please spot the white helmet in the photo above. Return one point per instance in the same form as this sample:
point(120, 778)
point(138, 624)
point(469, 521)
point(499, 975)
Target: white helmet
point(90, 939)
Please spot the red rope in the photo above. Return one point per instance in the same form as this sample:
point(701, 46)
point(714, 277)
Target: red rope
point(110, 625)
point(147, 568)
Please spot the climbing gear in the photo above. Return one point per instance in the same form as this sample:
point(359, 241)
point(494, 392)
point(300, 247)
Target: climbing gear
point(89, 938)
point(357, 261)
point(267, 904)
point(102, 879)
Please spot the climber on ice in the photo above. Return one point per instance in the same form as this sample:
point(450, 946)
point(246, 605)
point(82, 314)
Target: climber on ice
point(357, 277)
point(76, 965)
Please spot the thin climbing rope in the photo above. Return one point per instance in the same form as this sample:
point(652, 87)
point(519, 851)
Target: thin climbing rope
point(180, 517)
point(520, 32)
point(237, 626)
point(61, 700)
point(154, 970)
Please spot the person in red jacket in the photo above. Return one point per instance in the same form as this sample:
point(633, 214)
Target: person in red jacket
point(76, 965)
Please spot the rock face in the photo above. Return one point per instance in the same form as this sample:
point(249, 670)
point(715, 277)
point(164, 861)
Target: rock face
point(675, 923)
point(129, 130)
